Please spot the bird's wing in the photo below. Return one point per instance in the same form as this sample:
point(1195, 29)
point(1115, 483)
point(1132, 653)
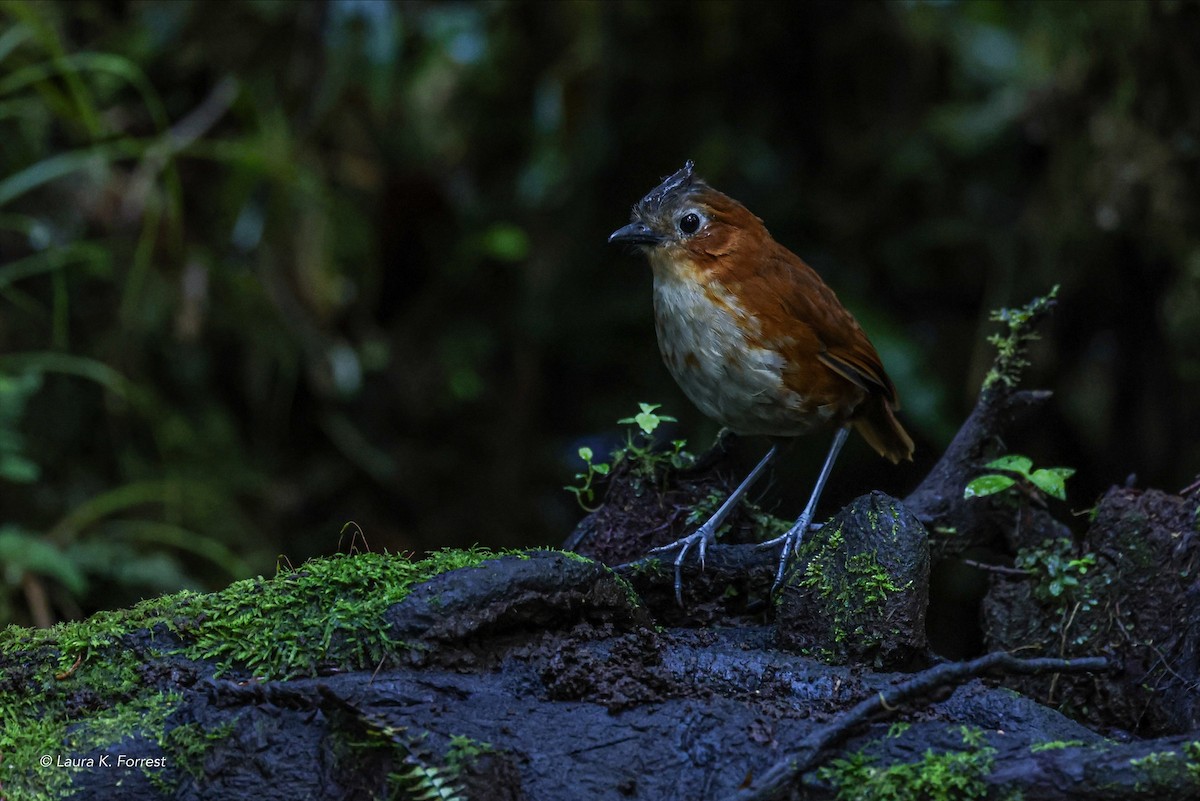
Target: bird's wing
point(860, 368)
point(843, 346)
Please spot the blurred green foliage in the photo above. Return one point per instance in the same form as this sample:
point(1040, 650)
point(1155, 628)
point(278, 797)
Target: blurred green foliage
point(266, 267)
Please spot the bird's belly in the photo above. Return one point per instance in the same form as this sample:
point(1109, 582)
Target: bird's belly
point(710, 347)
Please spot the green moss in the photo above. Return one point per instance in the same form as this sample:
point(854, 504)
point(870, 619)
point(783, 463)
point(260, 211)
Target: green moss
point(1012, 345)
point(1168, 769)
point(24, 741)
point(852, 586)
point(569, 554)
point(946, 776)
point(1154, 760)
point(188, 744)
point(1192, 752)
point(28, 739)
point(631, 594)
point(327, 613)
point(650, 566)
point(1055, 745)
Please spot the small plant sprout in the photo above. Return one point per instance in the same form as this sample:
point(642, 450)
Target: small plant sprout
point(1017, 471)
point(585, 493)
point(644, 461)
point(638, 451)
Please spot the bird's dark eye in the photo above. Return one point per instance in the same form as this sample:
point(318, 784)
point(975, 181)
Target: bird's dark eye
point(689, 223)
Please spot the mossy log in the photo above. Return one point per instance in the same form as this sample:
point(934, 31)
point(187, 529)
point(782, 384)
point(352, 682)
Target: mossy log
point(523, 677)
point(545, 675)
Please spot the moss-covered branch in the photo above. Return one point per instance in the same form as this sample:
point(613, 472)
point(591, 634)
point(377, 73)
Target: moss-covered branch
point(1012, 345)
point(956, 524)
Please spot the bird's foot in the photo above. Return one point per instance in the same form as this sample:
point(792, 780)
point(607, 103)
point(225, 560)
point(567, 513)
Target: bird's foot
point(700, 539)
point(791, 546)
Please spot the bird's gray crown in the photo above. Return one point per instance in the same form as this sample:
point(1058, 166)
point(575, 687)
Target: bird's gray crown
point(673, 186)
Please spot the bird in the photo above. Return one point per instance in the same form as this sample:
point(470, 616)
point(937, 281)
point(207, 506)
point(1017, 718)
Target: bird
point(756, 340)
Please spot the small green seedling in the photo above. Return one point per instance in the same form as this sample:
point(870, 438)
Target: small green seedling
point(639, 449)
point(585, 493)
point(644, 461)
point(1018, 472)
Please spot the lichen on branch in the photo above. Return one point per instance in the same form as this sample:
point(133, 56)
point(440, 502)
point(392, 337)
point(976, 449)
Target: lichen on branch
point(1012, 345)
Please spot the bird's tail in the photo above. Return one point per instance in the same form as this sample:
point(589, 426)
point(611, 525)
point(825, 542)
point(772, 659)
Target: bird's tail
point(882, 431)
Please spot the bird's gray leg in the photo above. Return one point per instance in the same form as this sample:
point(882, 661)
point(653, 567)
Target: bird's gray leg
point(708, 532)
point(791, 540)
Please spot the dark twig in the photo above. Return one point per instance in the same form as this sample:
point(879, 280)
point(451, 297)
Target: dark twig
point(807, 755)
point(1001, 569)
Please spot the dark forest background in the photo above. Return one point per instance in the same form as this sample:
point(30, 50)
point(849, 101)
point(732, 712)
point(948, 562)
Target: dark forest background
point(270, 267)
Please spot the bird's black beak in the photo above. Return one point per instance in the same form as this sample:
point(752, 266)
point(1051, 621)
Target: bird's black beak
point(636, 233)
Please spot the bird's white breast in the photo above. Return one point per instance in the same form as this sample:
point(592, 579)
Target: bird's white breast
point(709, 343)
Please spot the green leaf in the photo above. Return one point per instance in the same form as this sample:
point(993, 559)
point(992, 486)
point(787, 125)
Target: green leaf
point(647, 422)
point(1050, 481)
point(585, 453)
point(16, 468)
point(987, 485)
point(88, 253)
point(155, 533)
point(26, 551)
point(157, 492)
point(1012, 462)
point(601, 468)
point(82, 366)
point(12, 38)
point(58, 166)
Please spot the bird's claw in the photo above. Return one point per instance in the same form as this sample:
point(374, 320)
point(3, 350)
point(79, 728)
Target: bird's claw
point(791, 547)
point(784, 558)
point(698, 538)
